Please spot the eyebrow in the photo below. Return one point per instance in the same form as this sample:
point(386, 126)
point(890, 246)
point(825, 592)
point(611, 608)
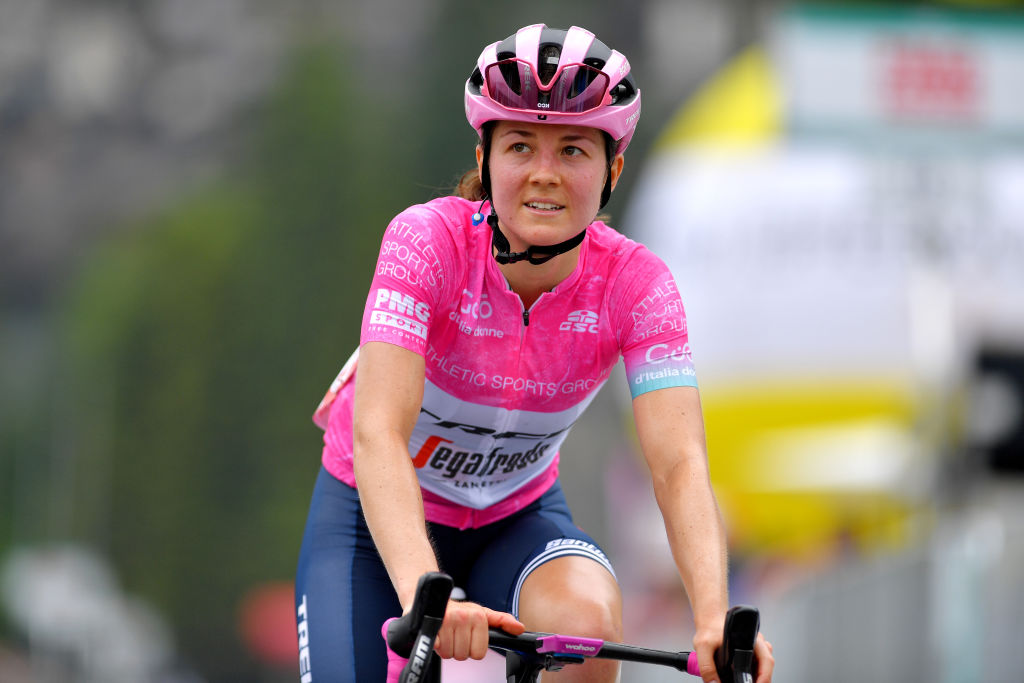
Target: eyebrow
point(571, 137)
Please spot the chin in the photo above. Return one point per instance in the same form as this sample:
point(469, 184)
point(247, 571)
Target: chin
point(548, 234)
point(548, 238)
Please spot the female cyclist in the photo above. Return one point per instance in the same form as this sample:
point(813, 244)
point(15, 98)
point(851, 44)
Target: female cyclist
point(493, 318)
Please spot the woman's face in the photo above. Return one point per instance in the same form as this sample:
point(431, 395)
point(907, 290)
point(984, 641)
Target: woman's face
point(546, 180)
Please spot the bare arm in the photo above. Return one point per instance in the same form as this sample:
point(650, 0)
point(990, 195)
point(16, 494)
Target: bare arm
point(389, 392)
point(670, 426)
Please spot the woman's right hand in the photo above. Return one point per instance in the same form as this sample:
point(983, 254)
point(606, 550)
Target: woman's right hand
point(463, 633)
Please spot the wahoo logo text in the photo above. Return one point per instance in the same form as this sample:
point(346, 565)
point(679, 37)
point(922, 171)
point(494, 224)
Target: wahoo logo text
point(579, 647)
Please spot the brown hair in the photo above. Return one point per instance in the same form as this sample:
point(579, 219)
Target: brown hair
point(469, 186)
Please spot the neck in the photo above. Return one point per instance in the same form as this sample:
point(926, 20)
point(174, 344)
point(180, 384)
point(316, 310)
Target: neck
point(529, 281)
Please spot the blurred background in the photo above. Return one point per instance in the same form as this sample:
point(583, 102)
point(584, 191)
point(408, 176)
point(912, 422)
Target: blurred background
point(192, 194)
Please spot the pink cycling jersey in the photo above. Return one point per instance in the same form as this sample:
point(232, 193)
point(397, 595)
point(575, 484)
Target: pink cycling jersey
point(503, 384)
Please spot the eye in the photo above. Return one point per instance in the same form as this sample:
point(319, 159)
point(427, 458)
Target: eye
point(573, 151)
point(520, 147)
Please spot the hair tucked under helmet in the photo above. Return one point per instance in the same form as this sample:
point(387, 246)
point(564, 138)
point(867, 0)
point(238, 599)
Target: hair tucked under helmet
point(546, 75)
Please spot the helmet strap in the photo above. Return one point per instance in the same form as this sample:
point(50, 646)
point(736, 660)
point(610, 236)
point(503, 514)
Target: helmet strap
point(534, 254)
point(606, 193)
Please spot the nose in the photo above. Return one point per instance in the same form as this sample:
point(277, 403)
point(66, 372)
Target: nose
point(545, 169)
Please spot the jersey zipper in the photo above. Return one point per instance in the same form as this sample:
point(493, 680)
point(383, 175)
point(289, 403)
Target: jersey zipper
point(526, 311)
point(523, 333)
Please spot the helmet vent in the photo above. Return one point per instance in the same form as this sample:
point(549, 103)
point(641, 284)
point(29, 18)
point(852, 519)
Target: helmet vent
point(621, 92)
point(518, 79)
point(548, 62)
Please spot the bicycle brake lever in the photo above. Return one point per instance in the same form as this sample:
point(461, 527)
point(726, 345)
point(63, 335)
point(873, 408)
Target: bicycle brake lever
point(413, 635)
point(735, 660)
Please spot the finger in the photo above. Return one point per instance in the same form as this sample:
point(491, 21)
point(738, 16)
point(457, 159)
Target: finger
point(763, 650)
point(706, 661)
point(447, 640)
point(460, 644)
point(462, 636)
point(504, 621)
point(479, 639)
point(442, 644)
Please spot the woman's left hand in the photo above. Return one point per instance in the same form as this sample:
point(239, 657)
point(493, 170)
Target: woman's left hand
point(707, 643)
point(765, 659)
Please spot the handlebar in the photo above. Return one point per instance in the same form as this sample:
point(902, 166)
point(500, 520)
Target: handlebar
point(413, 636)
point(551, 651)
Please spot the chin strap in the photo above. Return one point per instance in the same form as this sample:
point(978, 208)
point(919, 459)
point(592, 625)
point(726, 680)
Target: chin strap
point(534, 254)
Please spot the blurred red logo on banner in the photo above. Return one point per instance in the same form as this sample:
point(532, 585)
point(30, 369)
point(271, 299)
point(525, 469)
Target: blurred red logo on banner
point(929, 82)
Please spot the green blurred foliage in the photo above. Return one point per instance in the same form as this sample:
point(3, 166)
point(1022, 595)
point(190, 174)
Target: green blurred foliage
point(200, 342)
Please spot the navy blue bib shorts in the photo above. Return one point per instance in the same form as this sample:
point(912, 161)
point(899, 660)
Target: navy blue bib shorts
point(343, 594)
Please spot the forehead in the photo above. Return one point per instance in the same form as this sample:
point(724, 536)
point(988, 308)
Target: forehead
point(547, 130)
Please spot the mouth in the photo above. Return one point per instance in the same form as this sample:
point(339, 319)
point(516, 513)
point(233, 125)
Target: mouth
point(544, 206)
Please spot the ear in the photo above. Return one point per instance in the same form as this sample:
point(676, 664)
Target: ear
point(480, 162)
point(616, 168)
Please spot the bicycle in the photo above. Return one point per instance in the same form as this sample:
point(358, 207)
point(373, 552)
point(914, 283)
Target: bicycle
point(531, 653)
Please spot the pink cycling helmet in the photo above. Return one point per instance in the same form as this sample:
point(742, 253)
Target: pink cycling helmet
point(546, 75)
point(541, 74)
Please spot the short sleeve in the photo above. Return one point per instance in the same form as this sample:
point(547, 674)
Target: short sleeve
point(409, 280)
point(653, 336)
